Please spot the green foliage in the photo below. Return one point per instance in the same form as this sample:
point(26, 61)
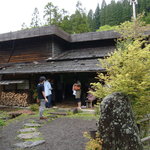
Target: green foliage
point(93, 144)
point(2, 123)
point(147, 18)
point(65, 24)
point(134, 29)
point(90, 20)
point(34, 107)
point(76, 23)
point(96, 19)
point(78, 20)
point(53, 14)
point(126, 11)
point(128, 68)
point(106, 28)
point(143, 5)
point(82, 21)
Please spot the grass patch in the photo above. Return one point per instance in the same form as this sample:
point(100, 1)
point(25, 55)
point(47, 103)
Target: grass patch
point(82, 115)
point(34, 107)
point(3, 114)
point(32, 121)
point(49, 110)
point(2, 122)
point(21, 118)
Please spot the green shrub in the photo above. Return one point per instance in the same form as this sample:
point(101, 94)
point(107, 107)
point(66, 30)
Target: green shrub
point(34, 107)
point(106, 28)
point(2, 123)
point(128, 68)
point(93, 144)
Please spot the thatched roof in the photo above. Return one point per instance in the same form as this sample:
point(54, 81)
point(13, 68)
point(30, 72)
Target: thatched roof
point(86, 65)
point(53, 30)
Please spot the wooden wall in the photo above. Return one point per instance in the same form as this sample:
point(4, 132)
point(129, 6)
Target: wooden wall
point(5, 51)
point(25, 50)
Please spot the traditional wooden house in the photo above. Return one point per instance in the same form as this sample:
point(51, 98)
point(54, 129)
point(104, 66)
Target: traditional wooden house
point(27, 54)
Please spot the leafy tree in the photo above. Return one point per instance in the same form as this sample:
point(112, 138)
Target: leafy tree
point(52, 14)
point(111, 12)
point(48, 12)
point(56, 16)
point(143, 5)
point(35, 21)
point(103, 4)
point(118, 13)
point(66, 25)
point(147, 18)
point(128, 68)
point(103, 13)
point(126, 11)
point(90, 20)
point(78, 20)
point(97, 17)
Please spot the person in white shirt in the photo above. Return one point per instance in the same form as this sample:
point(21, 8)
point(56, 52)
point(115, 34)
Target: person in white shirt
point(48, 93)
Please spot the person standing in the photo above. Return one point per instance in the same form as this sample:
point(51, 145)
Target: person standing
point(41, 96)
point(77, 92)
point(48, 93)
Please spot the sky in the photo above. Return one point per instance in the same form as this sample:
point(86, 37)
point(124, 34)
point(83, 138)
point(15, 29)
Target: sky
point(14, 12)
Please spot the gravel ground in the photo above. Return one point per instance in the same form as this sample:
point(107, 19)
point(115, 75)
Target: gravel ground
point(59, 134)
point(8, 135)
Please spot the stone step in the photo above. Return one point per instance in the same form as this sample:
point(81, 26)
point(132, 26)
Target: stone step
point(27, 130)
point(29, 135)
point(32, 125)
point(91, 111)
point(29, 144)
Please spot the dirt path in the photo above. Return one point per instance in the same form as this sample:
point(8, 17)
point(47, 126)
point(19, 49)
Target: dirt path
point(59, 134)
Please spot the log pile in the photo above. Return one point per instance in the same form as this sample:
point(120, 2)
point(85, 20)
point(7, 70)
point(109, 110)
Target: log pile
point(14, 99)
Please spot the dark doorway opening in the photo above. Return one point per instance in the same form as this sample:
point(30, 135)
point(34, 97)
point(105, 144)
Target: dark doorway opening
point(62, 86)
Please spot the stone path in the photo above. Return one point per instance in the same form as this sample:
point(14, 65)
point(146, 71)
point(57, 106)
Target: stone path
point(29, 135)
point(29, 144)
point(59, 133)
point(32, 125)
point(29, 132)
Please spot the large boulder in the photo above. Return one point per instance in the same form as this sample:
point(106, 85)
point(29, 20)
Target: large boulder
point(116, 124)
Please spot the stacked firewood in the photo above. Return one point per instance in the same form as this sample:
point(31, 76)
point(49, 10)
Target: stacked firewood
point(14, 99)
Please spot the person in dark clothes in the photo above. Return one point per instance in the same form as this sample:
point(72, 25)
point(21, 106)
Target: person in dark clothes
point(41, 96)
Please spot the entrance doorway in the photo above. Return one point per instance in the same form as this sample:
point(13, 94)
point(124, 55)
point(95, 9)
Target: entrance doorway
point(62, 86)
